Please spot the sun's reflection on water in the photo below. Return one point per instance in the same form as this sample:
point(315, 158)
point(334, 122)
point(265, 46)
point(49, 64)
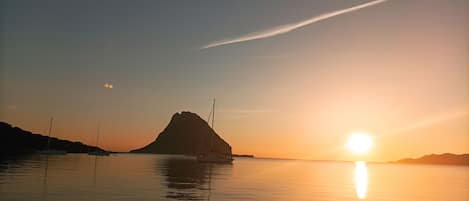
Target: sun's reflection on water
point(361, 179)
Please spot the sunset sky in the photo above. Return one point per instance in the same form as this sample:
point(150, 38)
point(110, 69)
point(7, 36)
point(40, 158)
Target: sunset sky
point(287, 84)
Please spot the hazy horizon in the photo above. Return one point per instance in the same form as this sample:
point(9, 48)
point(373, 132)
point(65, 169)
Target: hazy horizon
point(288, 84)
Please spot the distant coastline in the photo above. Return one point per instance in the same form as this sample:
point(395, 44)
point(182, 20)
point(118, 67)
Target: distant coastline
point(15, 140)
point(440, 159)
point(243, 155)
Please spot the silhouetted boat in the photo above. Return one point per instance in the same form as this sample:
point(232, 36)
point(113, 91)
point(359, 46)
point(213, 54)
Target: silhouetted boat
point(49, 151)
point(98, 152)
point(213, 156)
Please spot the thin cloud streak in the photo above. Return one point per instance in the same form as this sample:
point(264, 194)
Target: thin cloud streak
point(288, 27)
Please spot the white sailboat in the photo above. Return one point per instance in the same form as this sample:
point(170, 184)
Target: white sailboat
point(97, 151)
point(212, 156)
point(49, 151)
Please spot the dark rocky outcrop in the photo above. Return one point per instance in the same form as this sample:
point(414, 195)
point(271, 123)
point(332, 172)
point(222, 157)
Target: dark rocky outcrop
point(443, 159)
point(14, 140)
point(188, 134)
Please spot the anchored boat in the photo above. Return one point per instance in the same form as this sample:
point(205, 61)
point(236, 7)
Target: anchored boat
point(97, 151)
point(49, 151)
point(212, 156)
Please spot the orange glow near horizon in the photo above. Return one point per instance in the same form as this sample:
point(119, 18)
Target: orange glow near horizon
point(248, 138)
point(245, 137)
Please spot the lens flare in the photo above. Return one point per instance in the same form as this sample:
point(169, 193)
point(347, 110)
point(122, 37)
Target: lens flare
point(108, 86)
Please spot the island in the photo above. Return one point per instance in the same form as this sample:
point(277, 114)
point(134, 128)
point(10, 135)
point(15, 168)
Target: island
point(443, 159)
point(186, 134)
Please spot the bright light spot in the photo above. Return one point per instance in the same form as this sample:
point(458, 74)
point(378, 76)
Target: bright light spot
point(359, 143)
point(361, 179)
point(108, 86)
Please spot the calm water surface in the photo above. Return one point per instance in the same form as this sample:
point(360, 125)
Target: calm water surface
point(163, 177)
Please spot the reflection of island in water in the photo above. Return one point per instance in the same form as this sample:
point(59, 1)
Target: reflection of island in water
point(361, 179)
point(187, 179)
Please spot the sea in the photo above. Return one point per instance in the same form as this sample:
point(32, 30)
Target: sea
point(140, 177)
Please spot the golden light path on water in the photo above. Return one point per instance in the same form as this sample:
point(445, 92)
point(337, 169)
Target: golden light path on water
point(361, 179)
point(360, 143)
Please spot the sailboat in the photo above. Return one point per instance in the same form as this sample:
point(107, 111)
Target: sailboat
point(49, 151)
point(97, 151)
point(212, 156)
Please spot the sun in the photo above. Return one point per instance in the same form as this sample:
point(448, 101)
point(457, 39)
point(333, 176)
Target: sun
point(359, 143)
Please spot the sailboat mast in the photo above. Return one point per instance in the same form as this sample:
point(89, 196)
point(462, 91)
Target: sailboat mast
point(213, 118)
point(97, 138)
point(213, 113)
point(50, 131)
point(209, 117)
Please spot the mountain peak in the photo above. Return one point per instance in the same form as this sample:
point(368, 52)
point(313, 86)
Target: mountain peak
point(186, 133)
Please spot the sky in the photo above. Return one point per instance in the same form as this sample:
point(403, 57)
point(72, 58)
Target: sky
point(292, 79)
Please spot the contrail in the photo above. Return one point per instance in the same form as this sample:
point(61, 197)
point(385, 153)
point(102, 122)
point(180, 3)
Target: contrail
point(288, 27)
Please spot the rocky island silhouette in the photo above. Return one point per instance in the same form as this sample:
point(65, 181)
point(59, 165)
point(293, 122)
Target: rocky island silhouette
point(188, 134)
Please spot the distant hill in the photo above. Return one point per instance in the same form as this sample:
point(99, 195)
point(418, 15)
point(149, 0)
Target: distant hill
point(188, 134)
point(445, 159)
point(14, 140)
point(243, 155)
